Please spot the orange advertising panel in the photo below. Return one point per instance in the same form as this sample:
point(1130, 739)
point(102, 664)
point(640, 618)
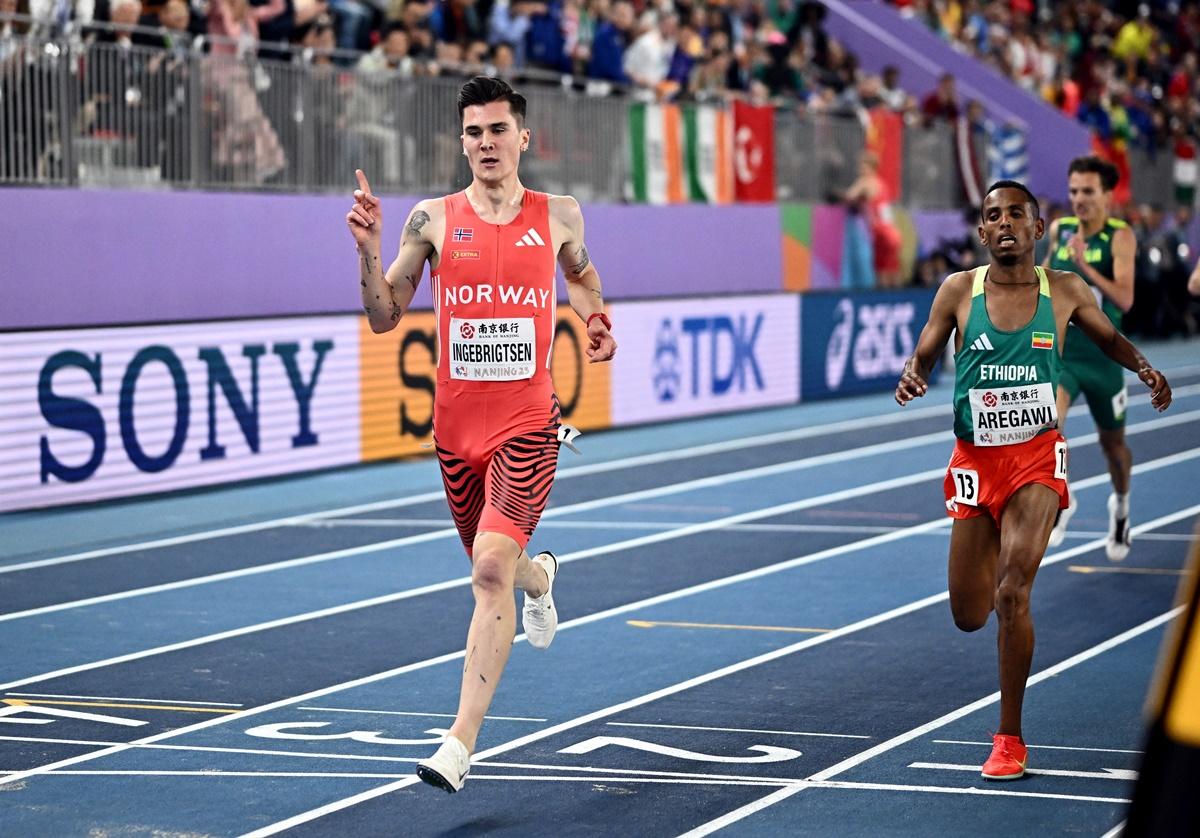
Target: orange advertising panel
point(398, 373)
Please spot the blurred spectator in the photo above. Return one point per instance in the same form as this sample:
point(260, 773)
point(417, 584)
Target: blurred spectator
point(608, 47)
point(245, 141)
point(323, 101)
point(868, 197)
point(894, 97)
point(648, 58)
point(546, 44)
point(509, 22)
point(942, 102)
point(55, 16)
point(458, 22)
point(375, 115)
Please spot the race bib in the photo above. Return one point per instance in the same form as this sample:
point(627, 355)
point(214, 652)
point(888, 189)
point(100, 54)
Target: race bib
point(492, 348)
point(1119, 402)
point(1060, 460)
point(1010, 415)
point(966, 486)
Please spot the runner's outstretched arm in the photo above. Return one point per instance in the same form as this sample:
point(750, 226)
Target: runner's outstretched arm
point(943, 320)
point(583, 281)
point(1096, 325)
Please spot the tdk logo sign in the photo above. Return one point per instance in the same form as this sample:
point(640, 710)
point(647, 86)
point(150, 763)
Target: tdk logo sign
point(874, 344)
point(707, 356)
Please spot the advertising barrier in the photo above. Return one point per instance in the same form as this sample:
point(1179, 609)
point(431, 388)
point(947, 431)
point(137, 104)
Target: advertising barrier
point(697, 356)
point(858, 343)
point(89, 414)
point(99, 413)
point(399, 369)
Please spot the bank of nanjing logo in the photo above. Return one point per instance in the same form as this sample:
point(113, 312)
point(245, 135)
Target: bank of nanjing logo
point(666, 373)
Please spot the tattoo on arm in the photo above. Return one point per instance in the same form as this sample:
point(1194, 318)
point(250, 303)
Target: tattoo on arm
point(412, 280)
point(368, 268)
point(582, 261)
point(419, 219)
point(396, 311)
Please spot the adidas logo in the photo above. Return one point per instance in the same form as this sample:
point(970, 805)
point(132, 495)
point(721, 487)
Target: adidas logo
point(531, 239)
point(982, 342)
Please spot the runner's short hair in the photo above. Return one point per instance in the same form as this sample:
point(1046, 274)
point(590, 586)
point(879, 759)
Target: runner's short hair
point(1091, 164)
point(1011, 184)
point(484, 89)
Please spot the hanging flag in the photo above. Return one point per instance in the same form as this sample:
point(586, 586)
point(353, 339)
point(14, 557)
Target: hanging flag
point(1185, 172)
point(680, 154)
point(885, 137)
point(754, 152)
point(1008, 154)
point(708, 138)
point(968, 161)
point(657, 162)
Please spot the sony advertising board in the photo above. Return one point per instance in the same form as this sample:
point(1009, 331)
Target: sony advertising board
point(88, 414)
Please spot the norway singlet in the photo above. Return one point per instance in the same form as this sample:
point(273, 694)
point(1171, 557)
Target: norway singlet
point(496, 416)
point(1005, 416)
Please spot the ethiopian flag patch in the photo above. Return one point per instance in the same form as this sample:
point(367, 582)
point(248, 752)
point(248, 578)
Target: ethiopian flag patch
point(1043, 340)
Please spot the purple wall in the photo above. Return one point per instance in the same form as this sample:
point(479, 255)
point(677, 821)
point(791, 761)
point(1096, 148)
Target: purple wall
point(879, 36)
point(72, 257)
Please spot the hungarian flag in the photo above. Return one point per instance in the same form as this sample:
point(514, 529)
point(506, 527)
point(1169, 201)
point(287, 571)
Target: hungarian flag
point(680, 154)
point(753, 152)
point(1185, 172)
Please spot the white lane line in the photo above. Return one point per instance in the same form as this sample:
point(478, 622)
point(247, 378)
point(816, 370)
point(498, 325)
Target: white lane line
point(1116, 831)
point(966, 710)
point(1044, 747)
point(704, 450)
point(1102, 774)
point(630, 772)
point(1139, 468)
point(206, 749)
point(411, 713)
point(770, 800)
point(313, 814)
point(321, 811)
point(842, 784)
point(881, 420)
point(584, 506)
point(743, 812)
point(824, 777)
point(816, 640)
point(742, 730)
point(592, 524)
point(126, 698)
point(613, 500)
point(1163, 536)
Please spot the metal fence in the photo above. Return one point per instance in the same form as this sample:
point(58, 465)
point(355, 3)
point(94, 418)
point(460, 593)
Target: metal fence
point(102, 114)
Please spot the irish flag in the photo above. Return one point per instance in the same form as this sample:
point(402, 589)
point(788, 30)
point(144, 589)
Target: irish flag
point(680, 154)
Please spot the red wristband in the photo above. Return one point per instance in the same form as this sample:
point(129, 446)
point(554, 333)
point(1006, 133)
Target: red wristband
point(603, 319)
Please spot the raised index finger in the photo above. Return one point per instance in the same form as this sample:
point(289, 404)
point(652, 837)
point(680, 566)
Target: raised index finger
point(362, 181)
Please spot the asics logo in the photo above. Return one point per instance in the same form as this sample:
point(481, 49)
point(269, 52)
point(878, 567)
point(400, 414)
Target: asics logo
point(531, 239)
point(982, 343)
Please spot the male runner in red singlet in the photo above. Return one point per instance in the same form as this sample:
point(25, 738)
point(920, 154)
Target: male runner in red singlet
point(1007, 477)
point(492, 251)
